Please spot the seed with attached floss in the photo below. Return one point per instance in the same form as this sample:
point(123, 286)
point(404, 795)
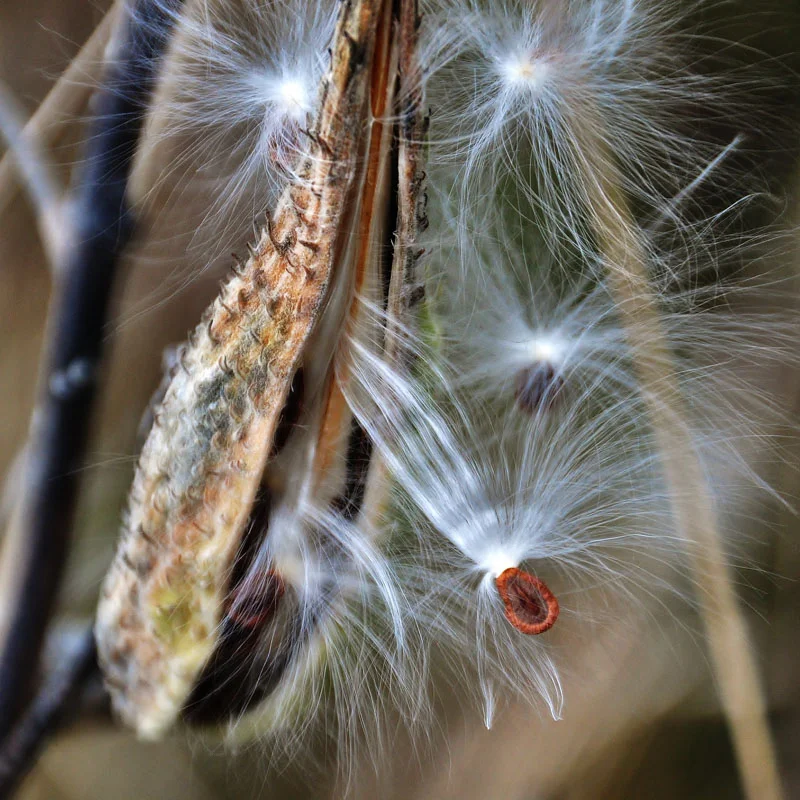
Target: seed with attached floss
point(537, 387)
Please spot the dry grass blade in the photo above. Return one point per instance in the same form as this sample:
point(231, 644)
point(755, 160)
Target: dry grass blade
point(63, 104)
point(38, 177)
point(691, 497)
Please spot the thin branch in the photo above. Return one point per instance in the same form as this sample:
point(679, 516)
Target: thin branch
point(46, 714)
point(37, 542)
point(693, 505)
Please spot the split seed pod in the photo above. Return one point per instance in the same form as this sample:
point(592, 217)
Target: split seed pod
point(175, 590)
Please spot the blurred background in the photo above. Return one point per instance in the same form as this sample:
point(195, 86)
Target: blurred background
point(641, 717)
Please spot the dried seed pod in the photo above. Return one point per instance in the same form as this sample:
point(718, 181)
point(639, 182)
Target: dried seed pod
point(158, 620)
point(195, 617)
point(234, 676)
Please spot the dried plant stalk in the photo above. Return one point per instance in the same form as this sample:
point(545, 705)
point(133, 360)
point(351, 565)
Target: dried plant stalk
point(690, 494)
point(63, 105)
point(37, 175)
point(160, 612)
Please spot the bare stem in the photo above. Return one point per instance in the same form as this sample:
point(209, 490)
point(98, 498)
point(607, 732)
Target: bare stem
point(692, 502)
point(37, 542)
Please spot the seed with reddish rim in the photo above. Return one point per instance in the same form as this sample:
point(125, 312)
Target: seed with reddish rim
point(530, 606)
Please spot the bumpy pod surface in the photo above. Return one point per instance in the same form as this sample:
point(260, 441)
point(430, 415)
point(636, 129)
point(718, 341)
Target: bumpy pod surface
point(159, 616)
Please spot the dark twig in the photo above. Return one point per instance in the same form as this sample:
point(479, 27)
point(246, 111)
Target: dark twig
point(46, 714)
point(38, 541)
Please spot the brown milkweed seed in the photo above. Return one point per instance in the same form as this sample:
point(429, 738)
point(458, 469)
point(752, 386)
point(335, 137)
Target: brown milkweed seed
point(530, 606)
